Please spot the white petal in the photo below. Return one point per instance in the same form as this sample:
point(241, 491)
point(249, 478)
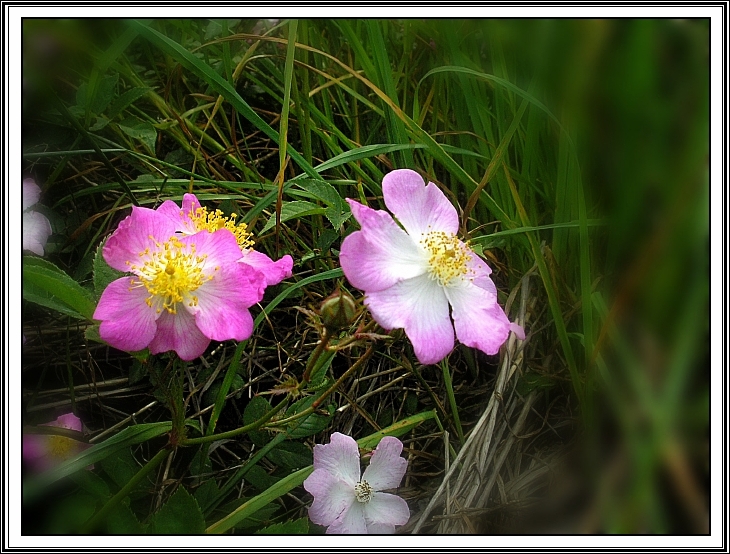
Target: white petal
point(387, 467)
point(419, 306)
point(340, 457)
point(350, 522)
point(387, 508)
point(331, 496)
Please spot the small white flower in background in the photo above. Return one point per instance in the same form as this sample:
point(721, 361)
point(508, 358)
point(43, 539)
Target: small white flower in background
point(36, 227)
point(347, 503)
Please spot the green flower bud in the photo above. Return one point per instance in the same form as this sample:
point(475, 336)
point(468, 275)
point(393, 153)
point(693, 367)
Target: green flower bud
point(338, 310)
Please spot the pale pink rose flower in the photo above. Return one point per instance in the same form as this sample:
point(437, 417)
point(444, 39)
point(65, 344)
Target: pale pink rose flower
point(36, 227)
point(420, 277)
point(347, 503)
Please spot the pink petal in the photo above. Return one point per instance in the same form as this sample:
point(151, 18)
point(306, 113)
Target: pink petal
point(419, 208)
point(223, 302)
point(517, 330)
point(179, 332)
point(36, 230)
point(273, 271)
point(175, 213)
point(31, 193)
point(134, 234)
point(387, 508)
point(387, 467)
point(479, 320)
point(479, 272)
point(128, 323)
point(190, 204)
point(68, 421)
point(340, 457)
point(350, 522)
point(219, 248)
point(419, 306)
point(331, 496)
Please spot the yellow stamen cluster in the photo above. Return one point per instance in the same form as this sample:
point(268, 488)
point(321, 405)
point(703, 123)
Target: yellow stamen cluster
point(170, 274)
point(59, 447)
point(448, 257)
point(212, 221)
point(363, 492)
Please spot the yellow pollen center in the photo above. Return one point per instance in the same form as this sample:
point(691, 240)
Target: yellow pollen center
point(170, 274)
point(448, 257)
point(363, 492)
point(212, 221)
point(59, 447)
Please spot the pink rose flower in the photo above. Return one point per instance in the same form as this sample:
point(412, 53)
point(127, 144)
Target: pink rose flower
point(193, 218)
point(43, 452)
point(36, 227)
point(186, 290)
point(349, 504)
point(420, 277)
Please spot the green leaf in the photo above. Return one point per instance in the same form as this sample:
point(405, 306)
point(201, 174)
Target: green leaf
point(103, 273)
point(396, 430)
point(125, 100)
point(180, 515)
point(259, 478)
point(70, 513)
point(337, 211)
point(256, 409)
point(250, 507)
point(141, 130)
point(293, 210)
point(97, 100)
point(91, 483)
point(319, 371)
point(49, 286)
point(122, 521)
point(120, 467)
point(291, 455)
point(309, 425)
point(295, 527)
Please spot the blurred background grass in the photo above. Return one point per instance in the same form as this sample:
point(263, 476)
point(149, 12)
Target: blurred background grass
point(576, 149)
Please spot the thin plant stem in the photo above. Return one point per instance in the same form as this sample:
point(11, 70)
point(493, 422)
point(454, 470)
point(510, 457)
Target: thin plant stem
point(124, 491)
point(452, 400)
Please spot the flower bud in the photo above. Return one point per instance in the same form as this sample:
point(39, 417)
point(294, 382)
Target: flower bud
point(338, 310)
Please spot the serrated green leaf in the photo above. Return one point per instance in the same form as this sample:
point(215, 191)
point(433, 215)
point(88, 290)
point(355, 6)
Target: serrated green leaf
point(295, 527)
point(49, 286)
point(309, 425)
point(259, 478)
point(180, 515)
point(120, 467)
point(256, 409)
point(122, 521)
point(293, 210)
point(141, 130)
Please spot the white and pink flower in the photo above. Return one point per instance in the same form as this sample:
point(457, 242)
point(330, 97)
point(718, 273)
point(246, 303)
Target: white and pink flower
point(347, 503)
point(185, 290)
point(421, 276)
point(36, 227)
point(43, 452)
